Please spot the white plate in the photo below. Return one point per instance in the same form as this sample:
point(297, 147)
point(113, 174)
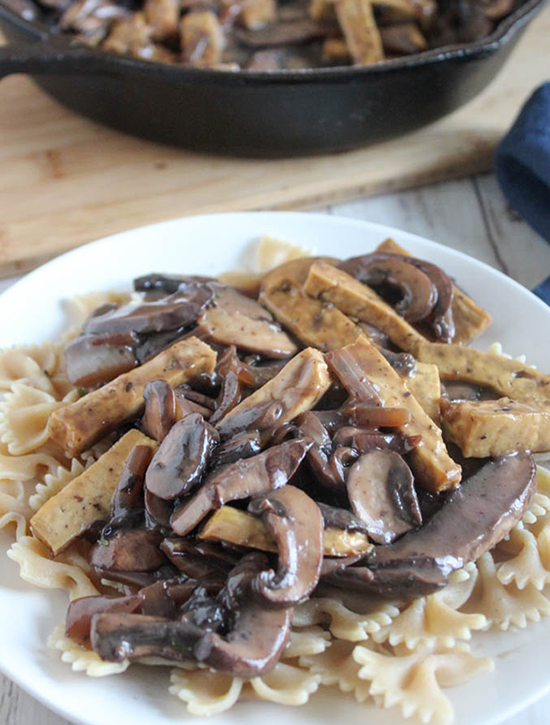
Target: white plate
point(32, 311)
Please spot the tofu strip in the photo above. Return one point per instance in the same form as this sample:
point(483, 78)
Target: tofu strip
point(87, 498)
point(77, 426)
point(356, 20)
point(313, 322)
point(470, 319)
point(298, 387)
point(497, 427)
point(356, 299)
point(510, 378)
point(425, 385)
point(242, 529)
point(433, 467)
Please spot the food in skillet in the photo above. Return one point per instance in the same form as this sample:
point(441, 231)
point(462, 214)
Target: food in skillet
point(269, 35)
point(309, 481)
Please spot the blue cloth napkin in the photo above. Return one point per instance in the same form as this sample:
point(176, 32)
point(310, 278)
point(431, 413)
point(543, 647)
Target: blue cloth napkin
point(523, 168)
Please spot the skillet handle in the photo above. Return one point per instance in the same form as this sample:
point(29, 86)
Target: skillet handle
point(44, 58)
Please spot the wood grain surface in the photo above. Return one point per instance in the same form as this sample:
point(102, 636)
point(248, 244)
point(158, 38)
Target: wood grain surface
point(66, 181)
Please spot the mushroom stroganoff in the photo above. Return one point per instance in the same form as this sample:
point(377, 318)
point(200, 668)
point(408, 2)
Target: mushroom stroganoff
point(306, 479)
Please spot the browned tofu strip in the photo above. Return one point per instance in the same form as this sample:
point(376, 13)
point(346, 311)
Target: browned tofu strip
point(242, 529)
point(425, 385)
point(430, 461)
point(163, 17)
point(470, 320)
point(497, 427)
point(298, 387)
point(510, 378)
point(87, 498)
point(202, 39)
point(356, 299)
point(79, 425)
point(359, 28)
point(312, 322)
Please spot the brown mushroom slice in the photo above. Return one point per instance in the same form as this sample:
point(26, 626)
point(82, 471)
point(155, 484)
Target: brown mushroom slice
point(158, 511)
point(181, 458)
point(509, 378)
point(128, 550)
point(483, 429)
point(474, 518)
point(470, 320)
point(198, 559)
point(335, 286)
point(92, 360)
point(167, 284)
point(80, 612)
point(76, 427)
point(312, 322)
point(202, 38)
point(356, 20)
point(252, 477)
point(402, 39)
point(433, 467)
point(341, 538)
point(259, 633)
point(240, 447)
point(116, 637)
point(310, 426)
point(128, 495)
point(295, 522)
point(381, 492)
point(160, 409)
point(364, 441)
point(418, 295)
point(292, 32)
point(297, 388)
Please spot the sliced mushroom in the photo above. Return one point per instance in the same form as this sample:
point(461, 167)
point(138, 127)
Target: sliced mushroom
point(158, 511)
point(364, 440)
point(81, 611)
point(177, 310)
point(258, 635)
point(254, 476)
point(381, 492)
point(166, 284)
point(116, 637)
point(286, 33)
point(128, 550)
point(417, 292)
point(234, 319)
point(475, 517)
point(158, 602)
point(310, 426)
point(127, 503)
point(198, 560)
point(92, 360)
point(296, 524)
point(160, 409)
point(240, 447)
point(135, 581)
point(181, 459)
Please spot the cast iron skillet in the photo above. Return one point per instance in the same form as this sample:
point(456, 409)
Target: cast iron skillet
point(277, 113)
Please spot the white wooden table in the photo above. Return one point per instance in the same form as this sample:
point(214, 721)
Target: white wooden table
point(470, 215)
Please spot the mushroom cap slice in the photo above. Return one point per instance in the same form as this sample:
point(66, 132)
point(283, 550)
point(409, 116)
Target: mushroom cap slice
point(475, 517)
point(127, 497)
point(419, 294)
point(381, 492)
point(250, 477)
point(128, 550)
point(259, 633)
point(295, 522)
point(80, 612)
point(160, 409)
point(181, 458)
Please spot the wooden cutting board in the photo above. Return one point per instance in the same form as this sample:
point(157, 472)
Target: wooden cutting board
point(66, 181)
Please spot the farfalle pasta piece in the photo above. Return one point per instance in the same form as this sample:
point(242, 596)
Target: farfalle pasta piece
point(336, 666)
point(83, 660)
point(414, 682)
point(504, 605)
point(27, 467)
point(307, 641)
point(14, 509)
point(33, 365)
point(54, 482)
point(435, 619)
point(526, 566)
point(342, 621)
point(36, 567)
point(540, 503)
point(24, 418)
point(205, 692)
point(286, 685)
